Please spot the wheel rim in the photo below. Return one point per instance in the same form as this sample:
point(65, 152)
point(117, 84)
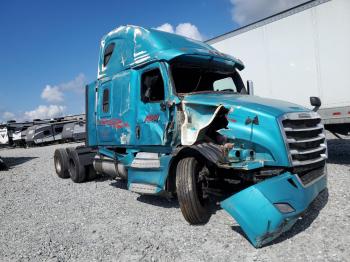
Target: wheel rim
point(200, 182)
point(58, 166)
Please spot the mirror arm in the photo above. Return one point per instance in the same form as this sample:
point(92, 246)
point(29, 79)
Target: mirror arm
point(315, 109)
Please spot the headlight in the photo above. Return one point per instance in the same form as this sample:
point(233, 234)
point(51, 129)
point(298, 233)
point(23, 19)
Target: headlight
point(284, 207)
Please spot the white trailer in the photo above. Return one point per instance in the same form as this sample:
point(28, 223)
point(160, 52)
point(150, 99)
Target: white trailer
point(299, 53)
point(4, 138)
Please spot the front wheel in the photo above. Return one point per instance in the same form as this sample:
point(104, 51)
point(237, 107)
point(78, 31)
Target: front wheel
point(193, 204)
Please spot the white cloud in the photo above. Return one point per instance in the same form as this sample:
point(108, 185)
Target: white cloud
point(247, 11)
point(185, 29)
point(7, 116)
point(52, 94)
point(77, 84)
point(44, 112)
point(188, 30)
point(55, 93)
point(166, 28)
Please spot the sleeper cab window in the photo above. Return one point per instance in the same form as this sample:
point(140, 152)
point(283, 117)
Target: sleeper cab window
point(105, 101)
point(108, 53)
point(152, 86)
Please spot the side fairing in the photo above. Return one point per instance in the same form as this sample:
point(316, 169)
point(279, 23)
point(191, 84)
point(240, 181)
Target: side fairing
point(90, 109)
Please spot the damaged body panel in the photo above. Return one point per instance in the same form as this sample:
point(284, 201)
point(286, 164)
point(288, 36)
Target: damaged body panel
point(267, 209)
point(173, 117)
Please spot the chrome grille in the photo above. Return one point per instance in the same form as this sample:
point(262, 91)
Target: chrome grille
point(304, 135)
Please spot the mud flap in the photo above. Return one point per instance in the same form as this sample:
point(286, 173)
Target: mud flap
point(254, 207)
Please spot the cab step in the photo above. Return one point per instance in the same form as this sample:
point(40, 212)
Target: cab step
point(145, 189)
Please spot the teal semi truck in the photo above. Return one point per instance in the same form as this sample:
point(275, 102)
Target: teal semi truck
point(173, 117)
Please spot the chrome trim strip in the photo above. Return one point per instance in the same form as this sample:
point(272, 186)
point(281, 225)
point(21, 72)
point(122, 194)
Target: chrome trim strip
point(289, 129)
point(293, 141)
point(308, 162)
point(297, 152)
point(284, 136)
point(302, 115)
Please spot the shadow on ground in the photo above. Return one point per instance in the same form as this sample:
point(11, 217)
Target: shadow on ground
point(302, 224)
point(148, 199)
point(339, 151)
point(10, 162)
point(120, 183)
point(159, 201)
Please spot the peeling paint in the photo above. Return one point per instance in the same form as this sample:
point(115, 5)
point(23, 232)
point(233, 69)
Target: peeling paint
point(197, 118)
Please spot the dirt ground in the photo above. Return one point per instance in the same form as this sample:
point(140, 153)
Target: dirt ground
point(45, 218)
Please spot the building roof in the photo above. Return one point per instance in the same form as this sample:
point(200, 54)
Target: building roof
point(267, 20)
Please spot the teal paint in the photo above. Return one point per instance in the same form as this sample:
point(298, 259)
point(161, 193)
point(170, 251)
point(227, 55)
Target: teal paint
point(131, 125)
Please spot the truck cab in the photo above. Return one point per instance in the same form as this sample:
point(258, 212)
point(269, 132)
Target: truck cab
point(173, 117)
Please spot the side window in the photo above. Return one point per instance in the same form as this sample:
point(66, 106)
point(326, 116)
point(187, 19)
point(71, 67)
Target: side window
point(152, 86)
point(46, 133)
point(59, 129)
point(224, 84)
point(108, 53)
point(105, 101)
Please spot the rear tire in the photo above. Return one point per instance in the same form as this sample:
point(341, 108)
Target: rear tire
point(61, 163)
point(194, 207)
point(77, 172)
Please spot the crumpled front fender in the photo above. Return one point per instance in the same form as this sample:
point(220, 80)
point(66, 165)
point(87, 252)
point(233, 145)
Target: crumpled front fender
point(254, 210)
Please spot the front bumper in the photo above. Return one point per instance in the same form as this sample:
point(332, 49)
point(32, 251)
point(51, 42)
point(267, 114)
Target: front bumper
point(254, 210)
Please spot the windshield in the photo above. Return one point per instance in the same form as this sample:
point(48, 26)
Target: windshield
point(192, 79)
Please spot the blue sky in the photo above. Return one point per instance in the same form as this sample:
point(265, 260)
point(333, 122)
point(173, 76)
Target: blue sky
point(49, 49)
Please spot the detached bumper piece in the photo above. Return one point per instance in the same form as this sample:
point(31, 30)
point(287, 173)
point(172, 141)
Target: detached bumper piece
point(266, 210)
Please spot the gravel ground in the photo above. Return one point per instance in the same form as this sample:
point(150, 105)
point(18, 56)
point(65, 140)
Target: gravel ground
point(44, 218)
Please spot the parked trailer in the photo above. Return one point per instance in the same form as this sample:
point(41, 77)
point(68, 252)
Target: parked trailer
point(74, 131)
point(172, 116)
point(17, 131)
point(4, 139)
point(298, 53)
point(19, 137)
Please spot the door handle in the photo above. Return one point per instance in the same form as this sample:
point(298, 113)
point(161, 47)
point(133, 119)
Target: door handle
point(138, 131)
point(162, 106)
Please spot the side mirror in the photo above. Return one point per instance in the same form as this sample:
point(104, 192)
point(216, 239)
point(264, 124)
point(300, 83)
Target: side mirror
point(250, 87)
point(315, 102)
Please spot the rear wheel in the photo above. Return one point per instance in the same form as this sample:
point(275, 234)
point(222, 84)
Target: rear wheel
point(189, 184)
point(61, 163)
point(77, 172)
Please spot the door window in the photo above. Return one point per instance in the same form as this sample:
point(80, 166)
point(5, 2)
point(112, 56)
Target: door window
point(105, 101)
point(152, 86)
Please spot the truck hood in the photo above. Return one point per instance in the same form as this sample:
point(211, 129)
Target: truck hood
point(264, 136)
point(254, 104)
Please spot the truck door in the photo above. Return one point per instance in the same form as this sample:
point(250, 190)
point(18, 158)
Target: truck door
point(105, 128)
point(152, 112)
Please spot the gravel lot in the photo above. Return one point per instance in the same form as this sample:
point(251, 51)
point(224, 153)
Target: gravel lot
point(44, 218)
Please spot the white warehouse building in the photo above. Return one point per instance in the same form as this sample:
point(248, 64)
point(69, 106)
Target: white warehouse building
point(299, 53)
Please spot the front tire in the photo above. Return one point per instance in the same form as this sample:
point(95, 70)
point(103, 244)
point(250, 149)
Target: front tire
point(194, 207)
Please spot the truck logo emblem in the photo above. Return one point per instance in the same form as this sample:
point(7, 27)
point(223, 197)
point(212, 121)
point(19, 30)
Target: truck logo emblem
point(304, 115)
point(116, 123)
point(152, 118)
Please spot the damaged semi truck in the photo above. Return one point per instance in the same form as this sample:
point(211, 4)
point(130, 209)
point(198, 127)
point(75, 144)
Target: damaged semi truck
point(173, 117)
